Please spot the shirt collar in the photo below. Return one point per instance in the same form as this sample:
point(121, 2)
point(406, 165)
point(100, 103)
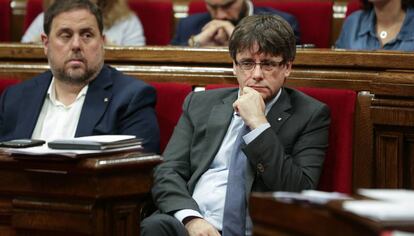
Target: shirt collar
point(406, 32)
point(51, 93)
point(249, 5)
point(368, 25)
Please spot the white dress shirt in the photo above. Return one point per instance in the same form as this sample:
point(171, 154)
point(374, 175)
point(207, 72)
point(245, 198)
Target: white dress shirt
point(57, 120)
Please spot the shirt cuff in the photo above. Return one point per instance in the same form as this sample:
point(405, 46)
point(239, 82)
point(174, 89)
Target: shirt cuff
point(181, 214)
point(249, 137)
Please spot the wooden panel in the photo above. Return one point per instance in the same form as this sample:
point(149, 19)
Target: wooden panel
point(363, 173)
point(93, 196)
point(409, 162)
point(52, 215)
point(271, 216)
point(388, 160)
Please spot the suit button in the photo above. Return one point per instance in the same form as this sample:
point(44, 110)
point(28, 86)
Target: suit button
point(260, 168)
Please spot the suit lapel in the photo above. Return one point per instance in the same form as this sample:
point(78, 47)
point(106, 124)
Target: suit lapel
point(29, 111)
point(96, 102)
point(217, 125)
point(277, 116)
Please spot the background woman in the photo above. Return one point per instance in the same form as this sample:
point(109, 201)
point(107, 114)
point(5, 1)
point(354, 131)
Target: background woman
point(382, 24)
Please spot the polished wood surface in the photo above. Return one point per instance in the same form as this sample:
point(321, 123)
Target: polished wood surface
point(99, 195)
point(384, 80)
point(272, 217)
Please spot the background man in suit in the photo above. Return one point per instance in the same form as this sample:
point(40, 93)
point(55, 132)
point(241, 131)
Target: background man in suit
point(284, 148)
point(215, 27)
point(80, 95)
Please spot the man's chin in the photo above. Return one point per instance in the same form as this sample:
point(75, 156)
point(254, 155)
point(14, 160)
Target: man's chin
point(74, 77)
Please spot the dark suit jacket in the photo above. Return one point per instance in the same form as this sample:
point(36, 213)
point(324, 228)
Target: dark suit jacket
point(193, 24)
point(128, 109)
point(288, 156)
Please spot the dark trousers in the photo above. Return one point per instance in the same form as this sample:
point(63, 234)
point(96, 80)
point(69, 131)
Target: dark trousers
point(159, 224)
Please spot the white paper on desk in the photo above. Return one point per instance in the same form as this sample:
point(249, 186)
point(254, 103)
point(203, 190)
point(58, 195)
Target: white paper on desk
point(44, 150)
point(381, 210)
point(311, 196)
point(394, 195)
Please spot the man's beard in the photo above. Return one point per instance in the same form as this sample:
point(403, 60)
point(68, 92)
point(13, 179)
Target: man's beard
point(73, 77)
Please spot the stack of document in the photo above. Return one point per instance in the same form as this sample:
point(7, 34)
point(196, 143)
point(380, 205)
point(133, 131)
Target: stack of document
point(79, 147)
point(97, 142)
point(386, 204)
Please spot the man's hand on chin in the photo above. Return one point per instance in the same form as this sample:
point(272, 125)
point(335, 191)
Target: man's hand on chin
point(251, 107)
point(199, 226)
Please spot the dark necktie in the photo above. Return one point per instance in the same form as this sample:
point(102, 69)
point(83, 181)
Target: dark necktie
point(234, 216)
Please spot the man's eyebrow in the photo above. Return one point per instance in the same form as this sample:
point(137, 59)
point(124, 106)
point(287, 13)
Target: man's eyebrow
point(64, 30)
point(228, 3)
point(87, 29)
point(221, 5)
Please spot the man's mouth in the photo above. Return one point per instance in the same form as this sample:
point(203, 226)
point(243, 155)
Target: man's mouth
point(258, 88)
point(76, 61)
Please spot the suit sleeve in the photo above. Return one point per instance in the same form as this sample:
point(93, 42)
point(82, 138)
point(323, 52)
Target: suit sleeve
point(2, 123)
point(276, 168)
point(140, 118)
point(170, 191)
point(179, 39)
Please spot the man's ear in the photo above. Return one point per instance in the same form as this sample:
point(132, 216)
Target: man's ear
point(234, 68)
point(45, 42)
point(104, 39)
point(288, 69)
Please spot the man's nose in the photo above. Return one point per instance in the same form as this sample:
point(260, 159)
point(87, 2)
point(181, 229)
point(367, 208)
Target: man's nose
point(76, 42)
point(221, 14)
point(257, 72)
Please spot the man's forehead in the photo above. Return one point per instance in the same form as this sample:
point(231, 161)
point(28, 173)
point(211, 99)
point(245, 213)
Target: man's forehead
point(76, 18)
point(250, 53)
point(219, 2)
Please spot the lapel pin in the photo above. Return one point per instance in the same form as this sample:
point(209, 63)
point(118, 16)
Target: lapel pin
point(106, 99)
point(279, 119)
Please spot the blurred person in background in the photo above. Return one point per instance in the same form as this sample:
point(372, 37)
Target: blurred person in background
point(121, 25)
point(381, 24)
point(213, 28)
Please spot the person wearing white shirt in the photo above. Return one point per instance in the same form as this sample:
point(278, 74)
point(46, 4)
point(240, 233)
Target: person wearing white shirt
point(121, 26)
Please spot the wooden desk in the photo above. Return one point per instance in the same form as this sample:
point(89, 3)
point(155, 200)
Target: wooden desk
point(94, 196)
point(271, 217)
point(384, 80)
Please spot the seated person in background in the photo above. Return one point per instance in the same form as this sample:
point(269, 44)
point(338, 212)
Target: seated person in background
point(121, 25)
point(213, 28)
point(228, 142)
point(382, 24)
point(80, 95)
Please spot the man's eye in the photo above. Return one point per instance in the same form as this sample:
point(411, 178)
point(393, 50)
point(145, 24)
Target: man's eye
point(65, 36)
point(87, 35)
point(227, 6)
point(247, 63)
